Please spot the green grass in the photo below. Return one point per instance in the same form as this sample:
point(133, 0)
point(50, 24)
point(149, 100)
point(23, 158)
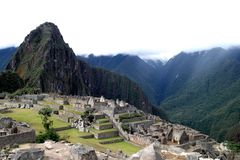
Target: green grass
point(33, 119)
point(109, 139)
point(49, 103)
point(69, 106)
point(75, 112)
point(74, 134)
point(103, 131)
point(103, 120)
point(127, 116)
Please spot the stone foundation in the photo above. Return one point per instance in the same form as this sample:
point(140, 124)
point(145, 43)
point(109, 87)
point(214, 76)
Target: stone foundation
point(140, 140)
point(103, 127)
point(27, 136)
point(109, 134)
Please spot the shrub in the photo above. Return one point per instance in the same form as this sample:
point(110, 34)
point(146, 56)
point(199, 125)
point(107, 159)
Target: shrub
point(50, 134)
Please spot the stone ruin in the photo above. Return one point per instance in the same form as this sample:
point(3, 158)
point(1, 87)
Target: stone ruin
point(80, 124)
point(12, 132)
point(53, 150)
point(37, 97)
point(24, 101)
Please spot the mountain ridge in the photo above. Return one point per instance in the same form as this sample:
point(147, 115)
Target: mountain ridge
point(131, 66)
point(46, 62)
point(199, 89)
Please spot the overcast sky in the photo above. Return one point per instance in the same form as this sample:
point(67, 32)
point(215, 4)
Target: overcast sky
point(151, 28)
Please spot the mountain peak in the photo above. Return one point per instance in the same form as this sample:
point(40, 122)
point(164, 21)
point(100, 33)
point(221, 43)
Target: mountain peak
point(46, 32)
point(46, 62)
point(42, 48)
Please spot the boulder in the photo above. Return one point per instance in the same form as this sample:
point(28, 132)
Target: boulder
point(49, 144)
point(24, 124)
point(28, 154)
point(6, 122)
point(80, 152)
point(148, 153)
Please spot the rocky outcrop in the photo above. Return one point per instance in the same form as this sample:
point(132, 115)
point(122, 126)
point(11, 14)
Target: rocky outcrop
point(79, 152)
point(157, 151)
point(148, 153)
point(46, 62)
point(28, 154)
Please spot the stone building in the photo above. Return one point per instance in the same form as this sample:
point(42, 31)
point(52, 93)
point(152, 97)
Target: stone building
point(180, 136)
point(12, 132)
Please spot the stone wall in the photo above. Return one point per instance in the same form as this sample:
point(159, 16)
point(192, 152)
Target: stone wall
point(124, 109)
point(140, 140)
point(103, 127)
point(63, 128)
point(3, 110)
point(106, 134)
point(144, 124)
point(28, 136)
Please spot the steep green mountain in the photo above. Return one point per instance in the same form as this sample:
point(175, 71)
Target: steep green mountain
point(46, 62)
point(202, 90)
point(140, 71)
point(5, 56)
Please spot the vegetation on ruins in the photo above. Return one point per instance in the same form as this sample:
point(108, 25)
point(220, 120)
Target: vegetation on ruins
point(50, 133)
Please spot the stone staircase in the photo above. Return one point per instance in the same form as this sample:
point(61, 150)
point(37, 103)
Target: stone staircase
point(103, 130)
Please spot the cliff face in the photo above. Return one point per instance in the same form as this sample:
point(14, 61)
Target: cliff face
point(46, 62)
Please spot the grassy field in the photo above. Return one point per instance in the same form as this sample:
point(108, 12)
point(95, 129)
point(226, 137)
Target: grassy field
point(74, 137)
point(33, 119)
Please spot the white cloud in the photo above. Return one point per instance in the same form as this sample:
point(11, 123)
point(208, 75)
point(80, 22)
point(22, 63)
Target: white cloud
point(163, 27)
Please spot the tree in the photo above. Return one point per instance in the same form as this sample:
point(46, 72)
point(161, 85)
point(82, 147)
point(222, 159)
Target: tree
point(45, 114)
point(10, 82)
point(50, 133)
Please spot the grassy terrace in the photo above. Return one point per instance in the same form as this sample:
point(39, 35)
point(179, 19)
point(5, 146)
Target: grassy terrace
point(103, 131)
point(74, 134)
point(103, 124)
point(103, 120)
point(49, 103)
point(33, 119)
point(75, 112)
point(146, 120)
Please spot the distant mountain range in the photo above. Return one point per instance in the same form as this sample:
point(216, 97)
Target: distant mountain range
point(200, 89)
point(5, 56)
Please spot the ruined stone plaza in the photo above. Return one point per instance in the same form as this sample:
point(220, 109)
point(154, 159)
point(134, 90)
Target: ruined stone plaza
point(109, 121)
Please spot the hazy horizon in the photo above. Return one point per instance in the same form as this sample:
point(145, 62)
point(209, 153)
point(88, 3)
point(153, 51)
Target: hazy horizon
point(150, 29)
